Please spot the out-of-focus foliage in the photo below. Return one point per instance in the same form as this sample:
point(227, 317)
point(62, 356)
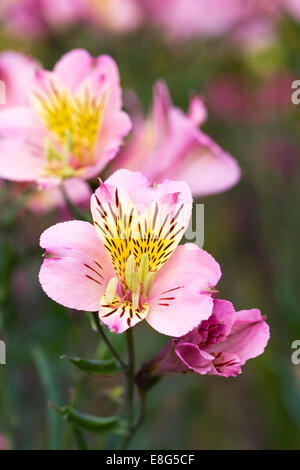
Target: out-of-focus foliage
point(252, 230)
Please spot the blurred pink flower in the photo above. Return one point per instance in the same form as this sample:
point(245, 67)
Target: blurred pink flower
point(37, 17)
point(291, 7)
point(72, 126)
point(169, 143)
point(186, 19)
point(231, 98)
point(117, 16)
point(17, 71)
point(128, 266)
point(228, 97)
point(218, 346)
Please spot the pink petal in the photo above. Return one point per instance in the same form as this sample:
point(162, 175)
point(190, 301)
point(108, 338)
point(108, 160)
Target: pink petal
point(249, 336)
point(194, 358)
point(21, 144)
point(76, 271)
point(161, 105)
point(226, 365)
point(207, 168)
point(17, 71)
point(107, 71)
point(181, 296)
point(169, 143)
point(142, 193)
point(117, 16)
point(121, 316)
point(224, 313)
point(115, 127)
point(197, 111)
point(73, 68)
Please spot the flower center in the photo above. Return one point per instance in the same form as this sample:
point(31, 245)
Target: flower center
point(133, 239)
point(74, 122)
point(131, 297)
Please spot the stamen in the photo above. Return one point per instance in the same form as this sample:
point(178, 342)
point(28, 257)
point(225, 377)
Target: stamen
point(144, 267)
point(135, 300)
point(148, 283)
point(74, 120)
point(69, 147)
point(131, 275)
point(111, 290)
point(51, 153)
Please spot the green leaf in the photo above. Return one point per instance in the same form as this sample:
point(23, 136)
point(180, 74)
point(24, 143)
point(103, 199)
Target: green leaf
point(54, 425)
point(89, 422)
point(93, 366)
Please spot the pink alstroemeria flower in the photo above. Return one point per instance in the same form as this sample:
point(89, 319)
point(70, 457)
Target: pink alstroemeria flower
point(17, 71)
point(37, 17)
point(184, 20)
point(128, 266)
point(72, 127)
point(217, 346)
point(170, 144)
point(117, 16)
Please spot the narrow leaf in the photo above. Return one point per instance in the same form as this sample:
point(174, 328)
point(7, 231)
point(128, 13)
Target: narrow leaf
point(89, 422)
point(93, 366)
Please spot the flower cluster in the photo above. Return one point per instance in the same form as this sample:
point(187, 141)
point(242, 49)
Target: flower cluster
point(62, 128)
point(129, 266)
point(253, 21)
point(65, 126)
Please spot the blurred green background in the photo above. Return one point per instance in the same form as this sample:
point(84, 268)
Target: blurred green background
point(251, 230)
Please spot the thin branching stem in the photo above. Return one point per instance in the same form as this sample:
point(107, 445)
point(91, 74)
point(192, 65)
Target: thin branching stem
point(107, 342)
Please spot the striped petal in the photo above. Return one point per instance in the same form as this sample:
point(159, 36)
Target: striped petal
point(76, 268)
point(154, 226)
point(121, 315)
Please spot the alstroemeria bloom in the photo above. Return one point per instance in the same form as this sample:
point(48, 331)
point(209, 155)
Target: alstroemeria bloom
point(170, 144)
point(217, 346)
point(72, 127)
point(128, 266)
point(17, 72)
point(186, 19)
point(182, 19)
point(37, 17)
point(118, 16)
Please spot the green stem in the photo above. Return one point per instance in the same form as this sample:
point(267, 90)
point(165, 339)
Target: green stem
point(107, 342)
point(139, 420)
point(81, 443)
point(130, 376)
point(72, 207)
